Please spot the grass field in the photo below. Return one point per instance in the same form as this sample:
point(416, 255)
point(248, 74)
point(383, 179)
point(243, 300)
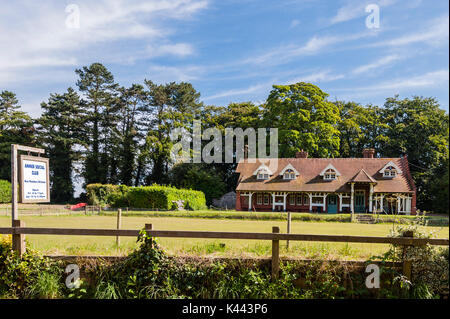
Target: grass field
point(88, 245)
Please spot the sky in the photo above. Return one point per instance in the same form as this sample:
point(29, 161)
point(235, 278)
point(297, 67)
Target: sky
point(230, 50)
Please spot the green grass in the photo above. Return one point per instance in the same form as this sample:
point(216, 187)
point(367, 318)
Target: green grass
point(99, 245)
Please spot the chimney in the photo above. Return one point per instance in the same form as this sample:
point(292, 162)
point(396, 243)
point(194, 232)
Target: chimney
point(301, 154)
point(245, 151)
point(368, 152)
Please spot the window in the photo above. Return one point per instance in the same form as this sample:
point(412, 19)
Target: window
point(263, 174)
point(266, 199)
point(330, 174)
point(305, 200)
point(291, 199)
point(289, 174)
point(317, 200)
point(299, 200)
point(259, 199)
point(390, 172)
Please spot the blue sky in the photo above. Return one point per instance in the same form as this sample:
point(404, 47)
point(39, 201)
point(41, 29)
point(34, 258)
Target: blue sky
point(231, 51)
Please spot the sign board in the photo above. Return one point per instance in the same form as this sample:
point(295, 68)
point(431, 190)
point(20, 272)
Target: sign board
point(34, 179)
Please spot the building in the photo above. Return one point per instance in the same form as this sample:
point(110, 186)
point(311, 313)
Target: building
point(332, 185)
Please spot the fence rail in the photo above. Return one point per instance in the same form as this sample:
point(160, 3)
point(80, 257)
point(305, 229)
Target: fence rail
point(224, 235)
point(19, 230)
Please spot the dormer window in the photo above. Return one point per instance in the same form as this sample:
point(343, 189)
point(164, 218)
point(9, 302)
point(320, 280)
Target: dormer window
point(390, 171)
point(263, 174)
point(289, 174)
point(330, 174)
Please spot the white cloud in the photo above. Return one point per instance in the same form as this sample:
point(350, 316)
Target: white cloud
point(36, 34)
point(321, 76)
point(251, 89)
point(377, 64)
point(427, 80)
point(355, 9)
point(435, 34)
point(314, 45)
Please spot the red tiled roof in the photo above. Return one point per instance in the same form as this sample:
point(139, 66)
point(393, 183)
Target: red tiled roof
point(362, 177)
point(359, 170)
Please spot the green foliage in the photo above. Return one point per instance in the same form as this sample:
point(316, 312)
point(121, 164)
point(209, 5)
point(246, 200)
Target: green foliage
point(419, 128)
point(430, 266)
point(16, 127)
point(198, 177)
point(162, 197)
point(102, 194)
point(152, 197)
point(5, 191)
point(305, 120)
point(61, 128)
point(31, 276)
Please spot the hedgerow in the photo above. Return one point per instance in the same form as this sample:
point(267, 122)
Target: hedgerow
point(5, 191)
point(152, 197)
point(148, 272)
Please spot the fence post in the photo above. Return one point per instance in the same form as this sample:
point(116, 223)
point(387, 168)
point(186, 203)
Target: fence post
point(119, 225)
point(288, 228)
point(18, 240)
point(148, 227)
point(275, 254)
point(407, 264)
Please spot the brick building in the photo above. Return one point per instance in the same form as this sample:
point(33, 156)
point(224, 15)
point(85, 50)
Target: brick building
point(332, 185)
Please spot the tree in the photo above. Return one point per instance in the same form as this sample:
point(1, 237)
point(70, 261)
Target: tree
point(129, 130)
point(360, 127)
point(305, 120)
point(61, 132)
point(168, 106)
point(99, 89)
point(16, 127)
point(419, 128)
point(199, 177)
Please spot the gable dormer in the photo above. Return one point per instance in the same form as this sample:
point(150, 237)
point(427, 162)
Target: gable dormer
point(390, 170)
point(289, 172)
point(262, 172)
point(330, 173)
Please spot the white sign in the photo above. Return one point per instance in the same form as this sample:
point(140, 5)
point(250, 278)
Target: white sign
point(34, 179)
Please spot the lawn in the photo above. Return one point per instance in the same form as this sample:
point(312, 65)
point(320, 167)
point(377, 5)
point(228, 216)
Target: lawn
point(89, 245)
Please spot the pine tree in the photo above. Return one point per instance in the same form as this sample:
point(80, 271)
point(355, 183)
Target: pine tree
point(61, 131)
point(16, 127)
point(99, 89)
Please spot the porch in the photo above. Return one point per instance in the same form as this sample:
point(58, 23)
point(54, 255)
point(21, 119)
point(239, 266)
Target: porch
point(359, 200)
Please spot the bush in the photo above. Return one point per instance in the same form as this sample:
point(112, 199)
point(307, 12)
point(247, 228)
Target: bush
point(5, 191)
point(152, 197)
point(102, 194)
point(162, 197)
point(29, 276)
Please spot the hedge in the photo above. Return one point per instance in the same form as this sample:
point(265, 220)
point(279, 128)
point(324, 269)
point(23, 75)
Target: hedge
point(5, 191)
point(152, 197)
point(103, 194)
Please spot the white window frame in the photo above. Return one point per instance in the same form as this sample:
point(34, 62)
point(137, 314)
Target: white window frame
point(259, 199)
point(266, 196)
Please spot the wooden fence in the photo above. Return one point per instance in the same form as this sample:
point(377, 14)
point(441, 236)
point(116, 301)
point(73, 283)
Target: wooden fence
point(19, 230)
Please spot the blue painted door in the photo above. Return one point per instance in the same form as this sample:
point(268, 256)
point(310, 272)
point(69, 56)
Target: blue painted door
point(332, 204)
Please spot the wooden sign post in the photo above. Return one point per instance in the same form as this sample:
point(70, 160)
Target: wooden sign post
point(15, 178)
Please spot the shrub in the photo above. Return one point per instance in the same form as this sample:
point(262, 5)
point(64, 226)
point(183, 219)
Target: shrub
point(31, 275)
point(152, 197)
point(5, 191)
point(101, 194)
point(162, 197)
